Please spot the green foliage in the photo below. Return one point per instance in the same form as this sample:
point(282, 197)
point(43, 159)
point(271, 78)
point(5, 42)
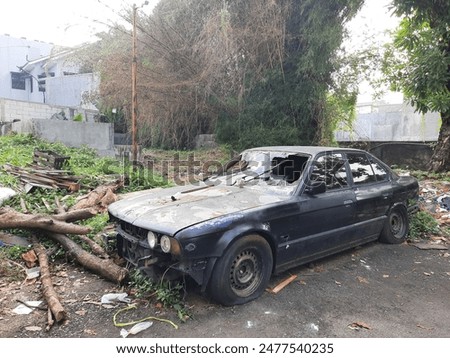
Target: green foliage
point(14, 253)
point(167, 293)
point(78, 117)
point(422, 225)
point(299, 103)
point(418, 61)
point(97, 223)
point(84, 163)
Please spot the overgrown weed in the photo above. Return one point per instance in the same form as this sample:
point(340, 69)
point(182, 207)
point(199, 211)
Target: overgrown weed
point(168, 293)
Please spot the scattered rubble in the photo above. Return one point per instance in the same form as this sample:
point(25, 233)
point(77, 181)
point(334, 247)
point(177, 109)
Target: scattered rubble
point(139, 327)
point(434, 197)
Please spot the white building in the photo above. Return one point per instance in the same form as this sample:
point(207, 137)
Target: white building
point(14, 53)
point(38, 72)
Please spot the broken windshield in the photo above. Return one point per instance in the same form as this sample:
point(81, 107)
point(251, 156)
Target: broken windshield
point(274, 168)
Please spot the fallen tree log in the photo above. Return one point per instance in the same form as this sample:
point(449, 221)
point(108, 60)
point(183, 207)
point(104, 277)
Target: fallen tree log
point(48, 291)
point(98, 198)
point(11, 219)
point(103, 267)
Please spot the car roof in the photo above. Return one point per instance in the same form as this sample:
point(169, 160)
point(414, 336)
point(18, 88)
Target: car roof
point(301, 149)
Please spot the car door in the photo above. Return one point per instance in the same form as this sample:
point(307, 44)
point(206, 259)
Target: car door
point(320, 222)
point(373, 193)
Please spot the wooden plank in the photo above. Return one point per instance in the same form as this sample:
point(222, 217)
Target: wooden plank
point(283, 284)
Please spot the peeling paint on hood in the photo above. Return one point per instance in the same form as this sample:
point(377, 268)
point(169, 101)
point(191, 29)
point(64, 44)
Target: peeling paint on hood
point(172, 209)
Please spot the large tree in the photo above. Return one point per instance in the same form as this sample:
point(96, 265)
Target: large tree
point(257, 71)
point(419, 64)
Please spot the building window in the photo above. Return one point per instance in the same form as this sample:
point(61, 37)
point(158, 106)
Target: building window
point(18, 80)
point(41, 80)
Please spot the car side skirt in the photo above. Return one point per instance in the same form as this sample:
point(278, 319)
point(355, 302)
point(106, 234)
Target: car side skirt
point(358, 231)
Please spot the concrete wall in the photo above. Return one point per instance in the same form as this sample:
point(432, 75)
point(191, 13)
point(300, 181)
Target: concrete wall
point(42, 121)
point(396, 123)
point(69, 90)
point(99, 136)
point(26, 111)
point(401, 154)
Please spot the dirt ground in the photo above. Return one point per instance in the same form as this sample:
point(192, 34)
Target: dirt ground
point(372, 291)
point(375, 290)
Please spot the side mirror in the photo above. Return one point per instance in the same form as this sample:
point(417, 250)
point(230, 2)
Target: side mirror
point(316, 187)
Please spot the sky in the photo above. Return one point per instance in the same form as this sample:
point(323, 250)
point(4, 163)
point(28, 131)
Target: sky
point(71, 23)
point(371, 26)
point(62, 22)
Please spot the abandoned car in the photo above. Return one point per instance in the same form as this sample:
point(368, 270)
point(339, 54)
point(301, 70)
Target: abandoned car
point(268, 210)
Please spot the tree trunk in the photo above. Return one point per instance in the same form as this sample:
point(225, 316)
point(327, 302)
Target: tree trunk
point(11, 219)
point(47, 286)
point(105, 268)
point(440, 161)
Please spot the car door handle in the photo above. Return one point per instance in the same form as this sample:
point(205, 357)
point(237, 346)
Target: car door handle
point(347, 202)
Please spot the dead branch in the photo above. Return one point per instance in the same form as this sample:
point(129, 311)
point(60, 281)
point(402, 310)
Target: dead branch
point(60, 209)
point(23, 205)
point(11, 219)
point(105, 268)
point(76, 215)
point(96, 248)
point(48, 291)
point(50, 320)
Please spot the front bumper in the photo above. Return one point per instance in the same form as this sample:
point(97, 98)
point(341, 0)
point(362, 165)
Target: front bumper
point(158, 265)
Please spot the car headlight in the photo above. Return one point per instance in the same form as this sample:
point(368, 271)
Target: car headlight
point(165, 244)
point(152, 240)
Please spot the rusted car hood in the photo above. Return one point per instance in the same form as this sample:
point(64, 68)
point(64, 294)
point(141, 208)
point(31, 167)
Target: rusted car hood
point(171, 209)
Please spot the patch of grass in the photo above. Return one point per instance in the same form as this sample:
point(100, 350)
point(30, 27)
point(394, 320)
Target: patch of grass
point(169, 294)
point(9, 271)
point(422, 225)
point(14, 253)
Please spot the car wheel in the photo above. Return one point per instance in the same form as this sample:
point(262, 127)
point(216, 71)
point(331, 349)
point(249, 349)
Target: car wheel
point(396, 227)
point(242, 273)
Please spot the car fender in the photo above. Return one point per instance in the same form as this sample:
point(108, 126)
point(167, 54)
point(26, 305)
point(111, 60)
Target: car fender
point(231, 236)
point(396, 205)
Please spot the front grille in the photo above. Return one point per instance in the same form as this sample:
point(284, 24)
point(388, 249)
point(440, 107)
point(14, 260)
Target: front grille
point(137, 232)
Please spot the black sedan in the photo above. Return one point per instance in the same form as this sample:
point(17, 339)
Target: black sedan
point(266, 211)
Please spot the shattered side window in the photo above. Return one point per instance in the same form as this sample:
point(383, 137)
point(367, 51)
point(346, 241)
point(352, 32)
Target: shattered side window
point(380, 172)
point(330, 168)
point(288, 168)
point(362, 171)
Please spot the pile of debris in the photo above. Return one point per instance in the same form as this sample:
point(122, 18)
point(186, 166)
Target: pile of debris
point(45, 172)
point(435, 198)
point(37, 176)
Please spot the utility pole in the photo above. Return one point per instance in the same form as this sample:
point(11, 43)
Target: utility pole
point(134, 104)
point(134, 91)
